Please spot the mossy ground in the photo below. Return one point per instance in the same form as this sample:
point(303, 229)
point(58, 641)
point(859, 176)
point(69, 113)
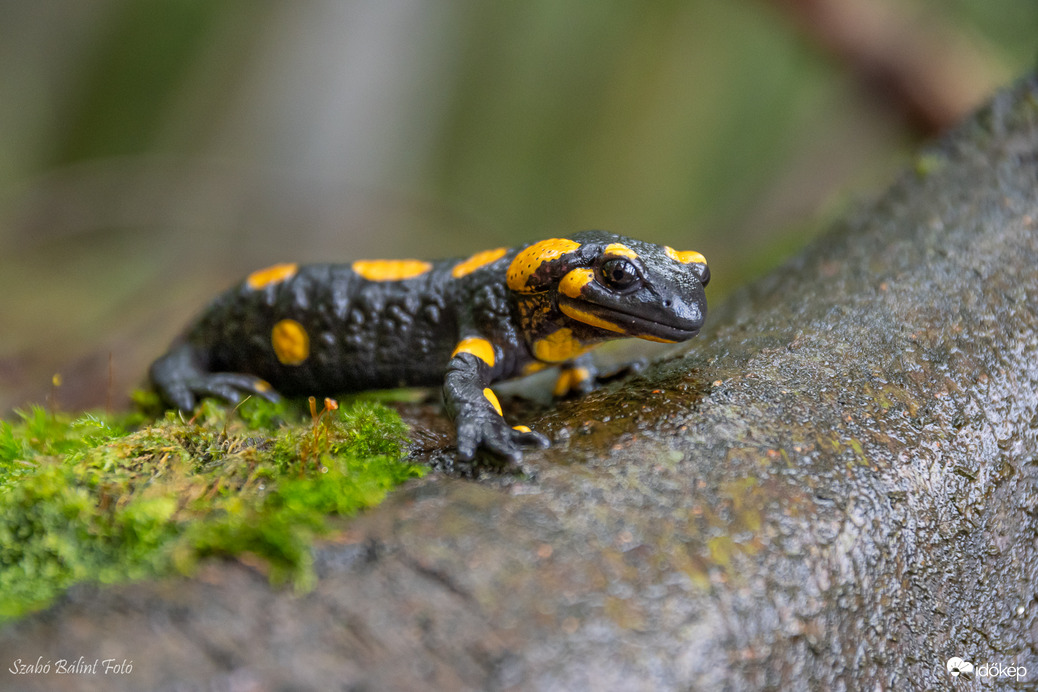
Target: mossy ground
point(111, 498)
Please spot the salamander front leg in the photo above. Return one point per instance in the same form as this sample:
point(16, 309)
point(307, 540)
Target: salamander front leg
point(576, 377)
point(477, 413)
point(581, 376)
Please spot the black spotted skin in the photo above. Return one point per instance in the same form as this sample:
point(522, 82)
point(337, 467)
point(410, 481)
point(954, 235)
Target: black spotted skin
point(325, 329)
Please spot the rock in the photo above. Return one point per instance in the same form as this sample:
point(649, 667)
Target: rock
point(835, 488)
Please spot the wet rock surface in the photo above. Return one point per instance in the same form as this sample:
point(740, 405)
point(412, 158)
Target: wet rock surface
point(836, 487)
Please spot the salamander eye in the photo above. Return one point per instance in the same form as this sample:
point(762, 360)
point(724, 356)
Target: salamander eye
point(617, 273)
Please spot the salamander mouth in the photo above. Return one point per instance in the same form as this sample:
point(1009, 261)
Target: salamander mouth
point(625, 323)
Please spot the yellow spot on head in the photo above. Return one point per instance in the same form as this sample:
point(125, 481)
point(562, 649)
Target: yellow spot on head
point(620, 250)
point(489, 395)
point(480, 348)
point(290, 341)
point(529, 260)
point(480, 259)
point(271, 275)
point(574, 281)
point(558, 347)
point(657, 339)
point(521, 428)
point(590, 318)
point(688, 257)
point(390, 270)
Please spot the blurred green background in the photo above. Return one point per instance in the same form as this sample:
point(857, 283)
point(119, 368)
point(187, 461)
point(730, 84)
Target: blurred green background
point(151, 153)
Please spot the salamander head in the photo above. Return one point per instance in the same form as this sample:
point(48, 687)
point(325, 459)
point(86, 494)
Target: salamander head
point(616, 284)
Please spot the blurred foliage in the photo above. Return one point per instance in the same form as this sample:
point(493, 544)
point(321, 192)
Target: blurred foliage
point(153, 152)
point(141, 57)
point(1008, 24)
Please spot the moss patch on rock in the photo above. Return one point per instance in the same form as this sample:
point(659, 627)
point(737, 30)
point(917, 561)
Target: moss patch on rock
point(112, 498)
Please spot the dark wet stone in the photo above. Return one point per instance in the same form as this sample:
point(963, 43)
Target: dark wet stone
point(835, 488)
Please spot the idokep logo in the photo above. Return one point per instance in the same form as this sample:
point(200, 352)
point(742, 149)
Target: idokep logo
point(956, 666)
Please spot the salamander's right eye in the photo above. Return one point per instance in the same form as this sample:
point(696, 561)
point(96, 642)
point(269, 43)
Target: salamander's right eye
point(618, 274)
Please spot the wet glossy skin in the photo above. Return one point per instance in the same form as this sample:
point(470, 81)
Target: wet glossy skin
point(464, 323)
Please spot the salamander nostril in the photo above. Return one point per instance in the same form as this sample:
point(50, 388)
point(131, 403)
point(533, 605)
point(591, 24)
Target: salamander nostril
point(666, 302)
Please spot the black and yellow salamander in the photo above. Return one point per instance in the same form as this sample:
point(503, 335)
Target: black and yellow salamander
point(323, 329)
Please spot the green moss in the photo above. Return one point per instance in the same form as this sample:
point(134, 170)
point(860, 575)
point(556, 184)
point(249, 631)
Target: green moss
point(86, 499)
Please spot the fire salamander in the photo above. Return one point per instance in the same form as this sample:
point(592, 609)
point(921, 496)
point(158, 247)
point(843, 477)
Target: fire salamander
point(323, 329)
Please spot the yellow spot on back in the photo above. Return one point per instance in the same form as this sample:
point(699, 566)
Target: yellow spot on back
point(290, 341)
point(480, 348)
point(480, 259)
point(529, 260)
point(621, 250)
point(390, 270)
point(559, 346)
point(271, 275)
point(687, 257)
point(590, 318)
point(489, 395)
point(576, 280)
